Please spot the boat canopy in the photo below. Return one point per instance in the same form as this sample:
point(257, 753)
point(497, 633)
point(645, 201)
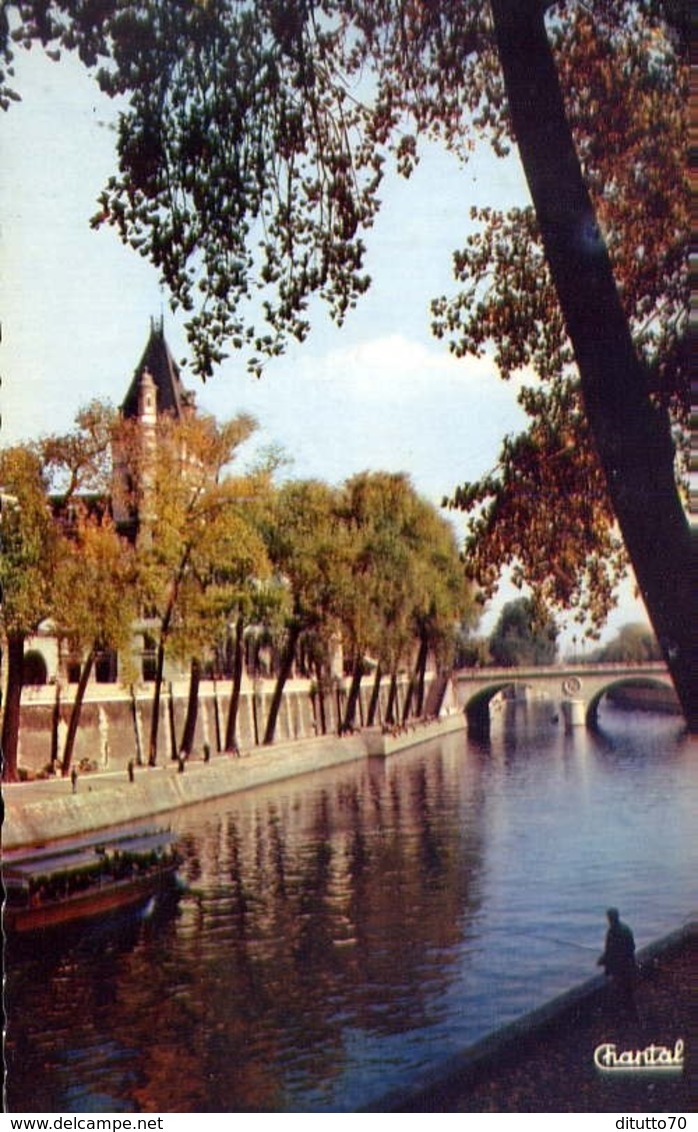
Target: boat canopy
point(30, 868)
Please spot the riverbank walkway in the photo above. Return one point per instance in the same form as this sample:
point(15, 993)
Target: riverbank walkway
point(51, 809)
point(545, 1061)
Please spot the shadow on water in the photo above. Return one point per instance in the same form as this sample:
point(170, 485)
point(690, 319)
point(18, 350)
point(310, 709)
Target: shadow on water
point(617, 730)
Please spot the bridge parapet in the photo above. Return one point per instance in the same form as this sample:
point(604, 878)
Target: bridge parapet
point(586, 684)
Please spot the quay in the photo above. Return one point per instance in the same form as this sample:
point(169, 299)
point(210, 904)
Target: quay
point(115, 720)
point(46, 810)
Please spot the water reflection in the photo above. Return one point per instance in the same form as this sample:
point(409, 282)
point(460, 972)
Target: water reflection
point(344, 929)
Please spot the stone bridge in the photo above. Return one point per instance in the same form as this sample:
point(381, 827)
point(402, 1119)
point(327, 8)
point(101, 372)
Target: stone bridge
point(576, 690)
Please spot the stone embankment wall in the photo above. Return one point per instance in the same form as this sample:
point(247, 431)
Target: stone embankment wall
point(46, 811)
point(50, 808)
point(115, 721)
point(499, 1055)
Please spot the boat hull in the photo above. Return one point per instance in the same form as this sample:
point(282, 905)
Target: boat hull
point(102, 901)
point(56, 885)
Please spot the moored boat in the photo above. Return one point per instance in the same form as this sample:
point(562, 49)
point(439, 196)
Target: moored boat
point(90, 877)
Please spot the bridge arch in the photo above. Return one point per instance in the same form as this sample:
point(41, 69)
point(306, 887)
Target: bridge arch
point(592, 709)
point(477, 707)
point(582, 687)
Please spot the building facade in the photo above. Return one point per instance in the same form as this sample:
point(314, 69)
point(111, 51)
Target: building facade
point(156, 390)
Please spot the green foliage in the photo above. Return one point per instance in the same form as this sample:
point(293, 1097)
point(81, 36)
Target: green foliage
point(634, 643)
point(28, 540)
point(252, 147)
point(406, 580)
point(226, 577)
point(95, 593)
point(197, 552)
point(471, 652)
point(379, 509)
point(524, 634)
point(80, 462)
point(309, 551)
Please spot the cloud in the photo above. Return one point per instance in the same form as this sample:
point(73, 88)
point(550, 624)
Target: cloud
point(395, 366)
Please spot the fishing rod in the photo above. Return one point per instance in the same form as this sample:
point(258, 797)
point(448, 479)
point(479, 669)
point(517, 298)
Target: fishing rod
point(568, 943)
point(555, 939)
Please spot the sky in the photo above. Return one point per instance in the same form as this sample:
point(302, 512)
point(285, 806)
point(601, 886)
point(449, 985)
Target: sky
point(380, 393)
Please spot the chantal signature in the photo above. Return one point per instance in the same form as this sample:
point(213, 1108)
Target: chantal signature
point(651, 1059)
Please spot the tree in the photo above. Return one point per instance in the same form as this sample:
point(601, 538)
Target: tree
point(405, 585)
point(48, 484)
point(523, 635)
point(308, 550)
point(383, 514)
point(246, 157)
point(471, 652)
point(260, 599)
point(371, 507)
point(633, 643)
point(630, 428)
point(191, 510)
point(28, 539)
point(79, 463)
point(634, 168)
point(446, 600)
point(94, 602)
point(224, 581)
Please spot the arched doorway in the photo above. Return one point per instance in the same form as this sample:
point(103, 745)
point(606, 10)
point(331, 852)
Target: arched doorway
point(35, 670)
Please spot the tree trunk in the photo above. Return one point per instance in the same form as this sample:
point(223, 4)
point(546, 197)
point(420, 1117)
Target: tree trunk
point(75, 712)
point(55, 720)
point(390, 711)
point(420, 673)
point(174, 750)
point(255, 718)
point(339, 705)
point(443, 679)
point(284, 673)
point(232, 721)
point(408, 698)
point(136, 727)
point(415, 688)
point(354, 691)
point(13, 699)
point(165, 627)
point(155, 717)
point(321, 699)
point(375, 697)
point(185, 747)
point(217, 715)
point(632, 436)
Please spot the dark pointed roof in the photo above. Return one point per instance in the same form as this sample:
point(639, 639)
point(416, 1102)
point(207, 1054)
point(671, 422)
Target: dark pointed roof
point(172, 397)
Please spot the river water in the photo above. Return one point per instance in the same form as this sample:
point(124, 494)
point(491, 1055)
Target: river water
point(345, 930)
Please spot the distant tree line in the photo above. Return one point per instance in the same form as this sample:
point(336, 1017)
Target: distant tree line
point(524, 635)
point(634, 643)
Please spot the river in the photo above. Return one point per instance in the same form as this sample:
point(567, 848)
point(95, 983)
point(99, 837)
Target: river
point(344, 929)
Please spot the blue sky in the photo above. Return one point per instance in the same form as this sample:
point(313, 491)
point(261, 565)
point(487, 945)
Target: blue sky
point(380, 393)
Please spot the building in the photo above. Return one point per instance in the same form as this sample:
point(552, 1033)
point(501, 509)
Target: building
point(155, 390)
